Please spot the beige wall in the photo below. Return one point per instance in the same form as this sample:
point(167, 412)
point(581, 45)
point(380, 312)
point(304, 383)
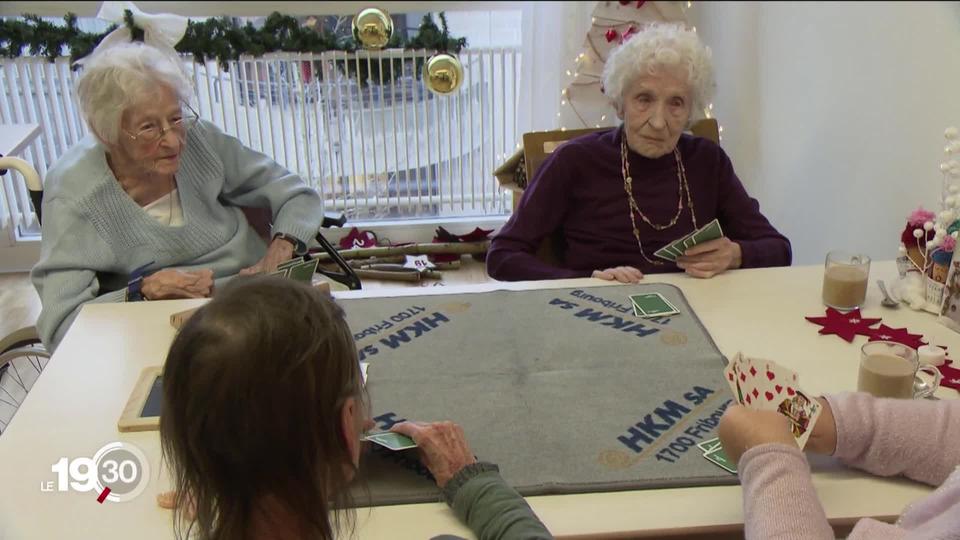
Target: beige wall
point(834, 113)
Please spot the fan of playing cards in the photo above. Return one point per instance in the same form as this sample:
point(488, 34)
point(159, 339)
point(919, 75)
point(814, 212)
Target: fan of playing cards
point(710, 231)
point(766, 386)
point(297, 268)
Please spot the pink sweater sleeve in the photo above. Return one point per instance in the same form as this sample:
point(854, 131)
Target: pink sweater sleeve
point(778, 497)
point(919, 439)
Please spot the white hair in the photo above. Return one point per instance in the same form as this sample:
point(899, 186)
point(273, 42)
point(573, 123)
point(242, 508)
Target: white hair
point(658, 46)
point(117, 78)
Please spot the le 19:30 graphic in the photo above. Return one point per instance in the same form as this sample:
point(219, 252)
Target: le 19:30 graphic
point(117, 472)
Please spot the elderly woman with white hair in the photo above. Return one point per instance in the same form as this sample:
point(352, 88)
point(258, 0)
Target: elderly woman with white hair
point(148, 205)
point(617, 196)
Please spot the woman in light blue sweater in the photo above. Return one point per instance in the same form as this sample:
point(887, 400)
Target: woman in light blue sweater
point(147, 206)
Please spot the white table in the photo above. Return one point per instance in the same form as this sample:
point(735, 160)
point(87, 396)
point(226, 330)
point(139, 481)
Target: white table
point(14, 138)
point(73, 410)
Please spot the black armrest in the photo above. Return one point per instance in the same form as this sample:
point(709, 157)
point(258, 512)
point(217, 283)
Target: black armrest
point(348, 277)
point(333, 220)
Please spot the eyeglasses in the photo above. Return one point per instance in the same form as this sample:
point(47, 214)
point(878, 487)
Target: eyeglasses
point(154, 134)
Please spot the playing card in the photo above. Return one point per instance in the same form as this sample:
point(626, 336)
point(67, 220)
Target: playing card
point(290, 263)
point(676, 248)
point(709, 445)
point(803, 412)
point(652, 305)
point(753, 384)
point(766, 385)
point(391, 440)
point(282, 273)
point(710, 231)
point(769, 382)
point(304, 271)
point(719, 458)
point(731, 374)
point(664, 254)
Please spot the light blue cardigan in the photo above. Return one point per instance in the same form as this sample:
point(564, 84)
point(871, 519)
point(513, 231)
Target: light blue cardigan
point(95, 235)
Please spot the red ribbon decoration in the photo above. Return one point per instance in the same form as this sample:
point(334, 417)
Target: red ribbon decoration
point(358, 239)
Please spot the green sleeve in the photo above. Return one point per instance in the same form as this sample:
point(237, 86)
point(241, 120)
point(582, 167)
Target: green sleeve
point(492, 509)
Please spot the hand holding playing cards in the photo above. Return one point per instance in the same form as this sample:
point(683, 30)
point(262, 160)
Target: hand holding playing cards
point(443, 447)
point(170, 283)
point(279, 251)
point(823, 438)
point(741, 429)
point(711, 258)
point(623, 274)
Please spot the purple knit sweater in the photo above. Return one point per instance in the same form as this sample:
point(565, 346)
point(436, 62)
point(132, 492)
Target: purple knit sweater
point(887, 437)
point(578, 192)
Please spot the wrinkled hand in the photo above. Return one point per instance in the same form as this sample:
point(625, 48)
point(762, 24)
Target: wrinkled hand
point(741, 429)
point(279, 251)
point(443, 447)
point(623, 274)
point(168, 501)
point(711, 258)
point(171, 283)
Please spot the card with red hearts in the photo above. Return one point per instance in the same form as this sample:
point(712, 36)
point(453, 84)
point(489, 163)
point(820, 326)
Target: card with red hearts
point(765, 385)
point(732, 375)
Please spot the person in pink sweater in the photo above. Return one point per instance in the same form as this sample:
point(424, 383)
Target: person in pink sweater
point(887, 437)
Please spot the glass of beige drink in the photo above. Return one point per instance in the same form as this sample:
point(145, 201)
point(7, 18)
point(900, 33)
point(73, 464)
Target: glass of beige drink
point(845, 279)
point(889, 369)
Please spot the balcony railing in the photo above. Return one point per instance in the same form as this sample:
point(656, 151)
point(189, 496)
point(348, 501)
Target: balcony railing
point(378, 149)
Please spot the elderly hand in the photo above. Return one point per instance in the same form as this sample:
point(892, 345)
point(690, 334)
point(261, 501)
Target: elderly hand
point(170, 283)
point(279, 251)
point(168, 500)
point(623, 274)
point(443, 447)
point(741, 429)
point(711, 258)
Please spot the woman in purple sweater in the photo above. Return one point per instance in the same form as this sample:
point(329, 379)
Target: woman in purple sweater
point(615, 197)
point(887, 437)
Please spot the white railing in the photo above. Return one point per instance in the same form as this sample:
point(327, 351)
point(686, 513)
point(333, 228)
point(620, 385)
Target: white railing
point(375, 149)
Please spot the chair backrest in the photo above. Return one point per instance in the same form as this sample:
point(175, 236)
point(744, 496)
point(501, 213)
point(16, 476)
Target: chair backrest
point(30, 177)
point(537, 146)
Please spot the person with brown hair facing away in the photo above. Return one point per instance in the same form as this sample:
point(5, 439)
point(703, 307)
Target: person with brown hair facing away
point(263, 414)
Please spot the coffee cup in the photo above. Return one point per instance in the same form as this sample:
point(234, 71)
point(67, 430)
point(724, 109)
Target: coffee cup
point(891, 370)
point(845, 278)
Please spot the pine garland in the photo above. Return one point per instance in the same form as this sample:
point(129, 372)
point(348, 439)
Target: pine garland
point(222, 39)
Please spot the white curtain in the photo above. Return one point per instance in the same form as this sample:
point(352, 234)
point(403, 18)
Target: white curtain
point(552, 37)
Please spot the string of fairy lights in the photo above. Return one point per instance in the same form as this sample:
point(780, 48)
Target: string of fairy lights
point(583, 62)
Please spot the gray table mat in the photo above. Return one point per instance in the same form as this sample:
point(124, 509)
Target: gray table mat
point(565, 389)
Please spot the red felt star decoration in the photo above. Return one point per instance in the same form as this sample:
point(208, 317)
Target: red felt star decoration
point(951, 376)
point(845, 325)
point(897, 335)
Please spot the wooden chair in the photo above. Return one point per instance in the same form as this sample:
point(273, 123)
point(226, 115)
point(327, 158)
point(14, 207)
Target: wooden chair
point(537, 147)
point(22, 355)
point(27, 336)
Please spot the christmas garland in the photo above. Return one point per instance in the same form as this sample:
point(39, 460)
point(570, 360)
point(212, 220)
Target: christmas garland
point(221, 38)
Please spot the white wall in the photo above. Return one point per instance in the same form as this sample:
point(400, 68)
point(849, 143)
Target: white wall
point(730, 30)
point(847, 103)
